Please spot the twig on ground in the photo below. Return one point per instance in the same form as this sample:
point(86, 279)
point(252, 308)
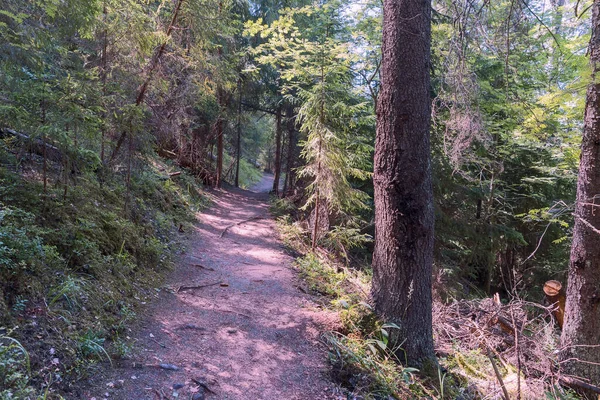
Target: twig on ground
point(203, 267)
point(181, 288)
point(498, 375)
point(241, 223)
point(159, 343)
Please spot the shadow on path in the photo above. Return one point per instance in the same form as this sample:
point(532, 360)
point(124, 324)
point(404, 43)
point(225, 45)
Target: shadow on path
point(249, 334)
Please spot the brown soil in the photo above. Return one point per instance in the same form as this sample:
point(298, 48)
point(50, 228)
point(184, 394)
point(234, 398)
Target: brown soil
point(245, 332)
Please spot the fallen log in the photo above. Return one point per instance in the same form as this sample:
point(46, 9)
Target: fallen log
point(35, 145)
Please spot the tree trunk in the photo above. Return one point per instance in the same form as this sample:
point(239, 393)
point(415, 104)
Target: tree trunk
point(219, 130)
point(103, 75)
point(581, 332)
point(277, 151)
point(45, 168)
point(238, 147)
point(291, 125)
point(404, 216)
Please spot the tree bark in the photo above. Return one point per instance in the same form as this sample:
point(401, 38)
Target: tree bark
point(103, 75)
point(219, 130)
point(277, 151)
point(404, 216)
point(581, 332)
point(289, 167)
point(239, 137)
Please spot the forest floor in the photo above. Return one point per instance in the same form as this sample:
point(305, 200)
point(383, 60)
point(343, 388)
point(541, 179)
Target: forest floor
point(231, 322)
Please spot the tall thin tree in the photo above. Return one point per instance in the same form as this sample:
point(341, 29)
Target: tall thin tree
point(404, 216)
point(581, 332)
point(277, 171)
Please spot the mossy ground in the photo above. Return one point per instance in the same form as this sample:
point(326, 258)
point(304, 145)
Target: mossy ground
point(77, 266)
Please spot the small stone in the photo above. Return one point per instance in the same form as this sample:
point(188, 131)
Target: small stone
point(178, 386)
point(199, 395)
point(169, 367)
point(231, 331)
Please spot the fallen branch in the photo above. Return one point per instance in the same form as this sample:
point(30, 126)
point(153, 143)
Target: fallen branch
point(169, 367)
point(159, 343)
point(240, 223)
point(180, 288)
point(577, 384)
point(203, 267)
point(498, 375)
point(36, 145)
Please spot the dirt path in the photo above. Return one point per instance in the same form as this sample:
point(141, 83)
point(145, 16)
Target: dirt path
point(248, 333)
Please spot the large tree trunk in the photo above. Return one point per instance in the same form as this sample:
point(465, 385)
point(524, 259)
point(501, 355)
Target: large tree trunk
point(581, 334)
point(404, 217)
point(277, 151)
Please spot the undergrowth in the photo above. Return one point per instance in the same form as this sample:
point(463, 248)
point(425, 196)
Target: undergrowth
point(76, 267)
point(362, 362)
point(468, 339)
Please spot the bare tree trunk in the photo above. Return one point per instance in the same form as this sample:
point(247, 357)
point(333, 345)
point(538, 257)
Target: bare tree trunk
point(291, 125)
point(103, 79)
point(277, 151)
point(404, 218)
point(238, 146)
point(128, 182)
point(580, 336)
point(45, 168)
point(219, 128)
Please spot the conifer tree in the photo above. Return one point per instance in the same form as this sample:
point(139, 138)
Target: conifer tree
point(403, 257)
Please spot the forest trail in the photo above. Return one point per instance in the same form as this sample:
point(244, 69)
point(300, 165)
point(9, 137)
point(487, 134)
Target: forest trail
point(245, 332)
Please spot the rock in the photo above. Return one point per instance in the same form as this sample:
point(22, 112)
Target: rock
point(169, 367)
point(177, 386)
point(199, 395)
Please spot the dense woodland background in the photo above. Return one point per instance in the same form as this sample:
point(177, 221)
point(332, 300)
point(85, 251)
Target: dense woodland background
point(114, 114)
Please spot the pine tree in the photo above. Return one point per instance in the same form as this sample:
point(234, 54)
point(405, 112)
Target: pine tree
point(403, 257)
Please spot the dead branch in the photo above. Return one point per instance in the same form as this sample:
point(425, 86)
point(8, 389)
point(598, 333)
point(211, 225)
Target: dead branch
point(578, 384)
point(182, 288)
point(36, 145)
point(240, 223)
point(498, 375)
point(203, 267)
point(149, 74)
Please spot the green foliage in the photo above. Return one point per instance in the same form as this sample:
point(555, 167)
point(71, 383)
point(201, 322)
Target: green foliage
point(320, 278)
point(306, 45)
point(14, 370)
point(373, 367)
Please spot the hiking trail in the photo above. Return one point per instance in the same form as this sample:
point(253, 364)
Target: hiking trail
point(233, 324)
